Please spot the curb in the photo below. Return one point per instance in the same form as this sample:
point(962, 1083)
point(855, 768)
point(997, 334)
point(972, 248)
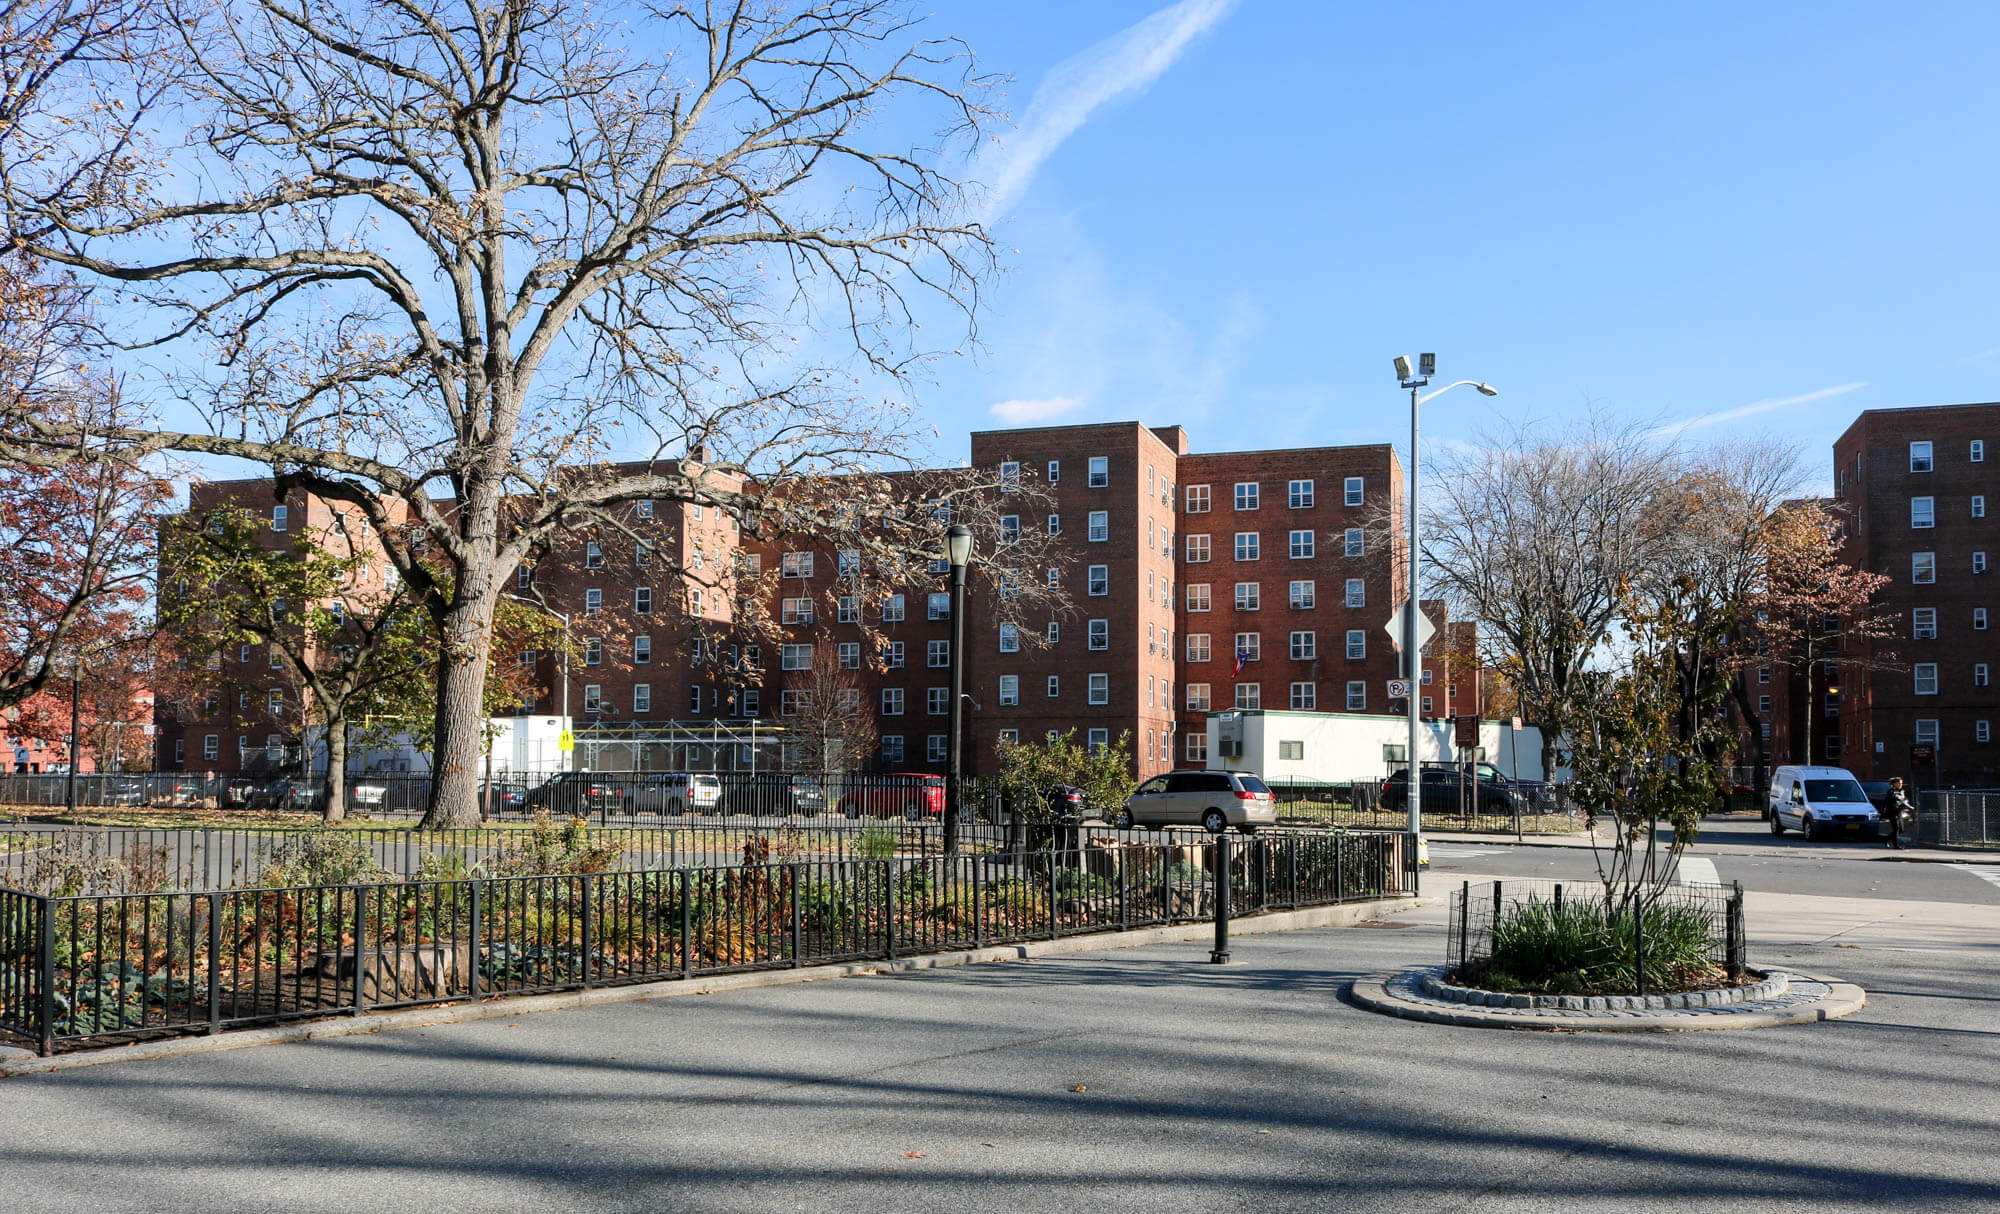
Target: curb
point(1344, 914)
point(1380, 993)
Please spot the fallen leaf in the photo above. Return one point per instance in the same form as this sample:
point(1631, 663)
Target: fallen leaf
point(985, 1144)
point(1263, 1131)
point(913, 1154)
point(1079, 1088)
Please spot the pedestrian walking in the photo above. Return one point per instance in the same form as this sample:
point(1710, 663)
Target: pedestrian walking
point(1897, 811)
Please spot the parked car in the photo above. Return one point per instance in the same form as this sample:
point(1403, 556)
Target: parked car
point(1068, 803)
point(236, 791)
point(676, 792)
point(506, 798)
point(178, 790)
point(367, 795)
point(286, 793)
point(1489, 793)
point(776, 794)
point(1821, 801)
point(121, 792)
point(904, 794)
point(578, 792)
point(1216, 800)
point(1878, 795)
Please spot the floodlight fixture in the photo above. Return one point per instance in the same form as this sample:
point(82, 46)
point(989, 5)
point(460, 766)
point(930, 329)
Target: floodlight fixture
point(1402, 367)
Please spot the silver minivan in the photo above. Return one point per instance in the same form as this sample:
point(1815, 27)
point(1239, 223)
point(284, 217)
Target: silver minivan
point(1215, 800)
point(1820, 801)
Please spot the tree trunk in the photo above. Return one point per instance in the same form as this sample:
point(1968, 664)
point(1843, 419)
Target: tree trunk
point(335, 803)
point(458, 733)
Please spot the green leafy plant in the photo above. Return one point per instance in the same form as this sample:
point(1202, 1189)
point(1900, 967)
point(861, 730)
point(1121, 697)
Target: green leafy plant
point(547, 847)
point(322, 857)
point(1584, 947)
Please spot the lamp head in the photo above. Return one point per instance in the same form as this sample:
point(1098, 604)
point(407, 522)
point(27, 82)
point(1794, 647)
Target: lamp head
point(1427, 365)
point(1487, 389)
point(1402, 367)
point(958, 544)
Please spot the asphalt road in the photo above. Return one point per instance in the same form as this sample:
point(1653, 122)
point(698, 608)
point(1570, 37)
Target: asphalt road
point(1741, 848)
point(1142, 1079)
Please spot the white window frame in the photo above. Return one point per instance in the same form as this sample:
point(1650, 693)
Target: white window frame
point(1303, 645)
point(1357, 592)
point(795, 655)
point(1304, 697)
point(1923, 568)
point(1924, 678)
point(894, 609)
point(1010, 638)
point(1055, 472)
point(1249, 596)
point(281, 518)
point(848, 655)
point(593, 601)
point(1922, 456)
point(1010, 691)
point(1198, 550)
point(1097, 528)
point(1357, 644)
point(1354, 490)
point(1195, 499)
point(1926, 731)
point(1303, 595)
point(1923, 513)
point(1197, 697)
point(893, 701)
point(1097, 634)
point(795, 565)
point(1198, 598)
point(1246, 495)
point(1923, 623)
point(1250, 645)
point(1301, 544)
point(1357, 695)
point(642, 650)
point(1098, 472)
point(1979, 619)
point(1979, 505)
point(1052, 689)
point(642, 698)
point(1098, 581)
point(1299, 494)
point(1249, 545)
point(1976, 451)
point(1099, 689)
point(1249, 697)
point(1197, 747)
point(642, 600)
point(937, 654)
point(892, 748)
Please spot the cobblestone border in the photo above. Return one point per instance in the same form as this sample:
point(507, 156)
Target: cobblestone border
point(1774, 986)
point(1794, 999)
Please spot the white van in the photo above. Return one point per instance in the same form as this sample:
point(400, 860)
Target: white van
point(1820, 801)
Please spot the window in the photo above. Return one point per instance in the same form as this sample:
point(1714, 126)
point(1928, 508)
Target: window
point(1100, 689)
point(1249, 696)
point(280, 517)
point(1299, 495)
point(1920, 457)
point(1301, 545)
point(1011, 737)
point(1927, 731)
point(1099, 471)
point(1099, 581)
point(1150, 690)
point(937, 701)
point(1010, 475)
point(1923, 512)
point(1763, 703)
point(1010, 639)
point(1054, 688)
point(642, 650)
point(524, 577)
point(1196, 499)
point(1925, 677)
point(1357, 592)
point(1248, 595)
point(797, 610)
point(1923, 567)
point(1246, 495)
point(642, 556)
point(643, 507)
point(937, 605)
point(847, 609)
point(1098, 741)
point(593, 602)
point(1246, 545)
point(1979, 619)
point(892, 654)
point(1982, 731)
point(1010, 690)
point(1979, 674)
point(1357, 696)
point(1357, 644)
point(1197, 697)
point(934, 748)
point(1249, 646)
point(694, 698)
point(697, 601)
point(1763, 674)
point(642, 698)
point(1979, 562)
point(892, 609)
point(1197, 596)
point(642, 600)
point(1977, 453)
point(1978, 505)
point(1351, 542)
point(1352, 490)
point(593, 652)
point(1304, 698)
point(937, 654)
point(1010, 528)
point(1764, 730)
point(1055, 632)
point(796, 564)
point(1197, 549)
point(1302, 597)
point(892, 748)
point(1099, 527)
point(1197, 748)
point(1055, 471)
point(892, 701)
point(1923, 623)
point(1427, 678)
point(1304, 646)
point(593, 555)
point(1055, 524)
point(1097, 634)
point(795, 657)
point(794, 703)
point(751, 563)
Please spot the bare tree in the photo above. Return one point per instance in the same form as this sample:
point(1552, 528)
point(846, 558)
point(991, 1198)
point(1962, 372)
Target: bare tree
point(438, 249)
point(828, 725)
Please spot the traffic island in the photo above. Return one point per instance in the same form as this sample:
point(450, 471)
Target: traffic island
point(1779, 998)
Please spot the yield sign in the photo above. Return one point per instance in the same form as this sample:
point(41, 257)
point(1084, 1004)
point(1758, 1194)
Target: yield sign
point(1425, 629)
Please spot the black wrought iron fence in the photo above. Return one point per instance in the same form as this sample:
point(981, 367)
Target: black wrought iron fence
point(1636, 938)
point(91, 968)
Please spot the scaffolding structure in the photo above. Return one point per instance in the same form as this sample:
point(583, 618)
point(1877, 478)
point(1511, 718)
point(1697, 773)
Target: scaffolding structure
point(749, 745)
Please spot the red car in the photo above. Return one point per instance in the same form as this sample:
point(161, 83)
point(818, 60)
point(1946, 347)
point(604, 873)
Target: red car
point(896, 794)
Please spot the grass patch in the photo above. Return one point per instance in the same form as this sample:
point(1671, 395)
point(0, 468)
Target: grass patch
point(1581, 948)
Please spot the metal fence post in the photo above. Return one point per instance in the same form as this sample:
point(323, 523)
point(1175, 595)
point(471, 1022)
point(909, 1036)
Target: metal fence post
point(46, 975)
point(214, 963)
point(1052, 893)
point(687, 923)
point(1120, 856)
point(1733, 959)
point(1292, 870)
point(360, 943)
point(889, 879)
point(1219, 955)
point(588, 905)
point(798, 924)
point(978, 864)
point(472, 946)
point(1464, 920)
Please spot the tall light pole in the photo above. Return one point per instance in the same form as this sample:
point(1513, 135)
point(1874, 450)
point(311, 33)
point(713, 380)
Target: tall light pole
point(958, 552)
point(564, 617)
point(1414, 660)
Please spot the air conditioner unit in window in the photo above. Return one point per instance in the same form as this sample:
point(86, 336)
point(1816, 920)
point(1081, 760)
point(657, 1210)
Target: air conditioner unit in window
point(1229, 748)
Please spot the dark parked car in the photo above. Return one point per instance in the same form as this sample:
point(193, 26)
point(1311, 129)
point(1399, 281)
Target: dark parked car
point(287, 793)
point(1490, 793)
point(506, 798)
point(1067, 803)
point(237, 791)
point(1878, 794)
point(775, 795)
point(575, 793)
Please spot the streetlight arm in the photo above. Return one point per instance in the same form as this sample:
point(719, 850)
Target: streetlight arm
point(1484, 390)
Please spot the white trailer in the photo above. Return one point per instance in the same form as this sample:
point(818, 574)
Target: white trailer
point(1339, 747)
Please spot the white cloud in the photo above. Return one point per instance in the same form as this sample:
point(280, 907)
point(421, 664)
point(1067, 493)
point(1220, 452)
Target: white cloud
point(1754, 408)
point(1127, 62)
point(1021, 412)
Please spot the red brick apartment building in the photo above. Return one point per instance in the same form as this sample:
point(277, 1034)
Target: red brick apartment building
point(1917, 486)
point(1197, 583)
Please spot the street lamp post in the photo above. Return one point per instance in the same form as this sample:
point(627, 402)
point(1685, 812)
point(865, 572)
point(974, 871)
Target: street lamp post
point(958, 552)
point(75, 707)
point(1414, 661)
point(564, 617)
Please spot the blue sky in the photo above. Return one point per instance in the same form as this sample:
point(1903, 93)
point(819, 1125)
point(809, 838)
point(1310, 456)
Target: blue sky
point(1755, 220)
